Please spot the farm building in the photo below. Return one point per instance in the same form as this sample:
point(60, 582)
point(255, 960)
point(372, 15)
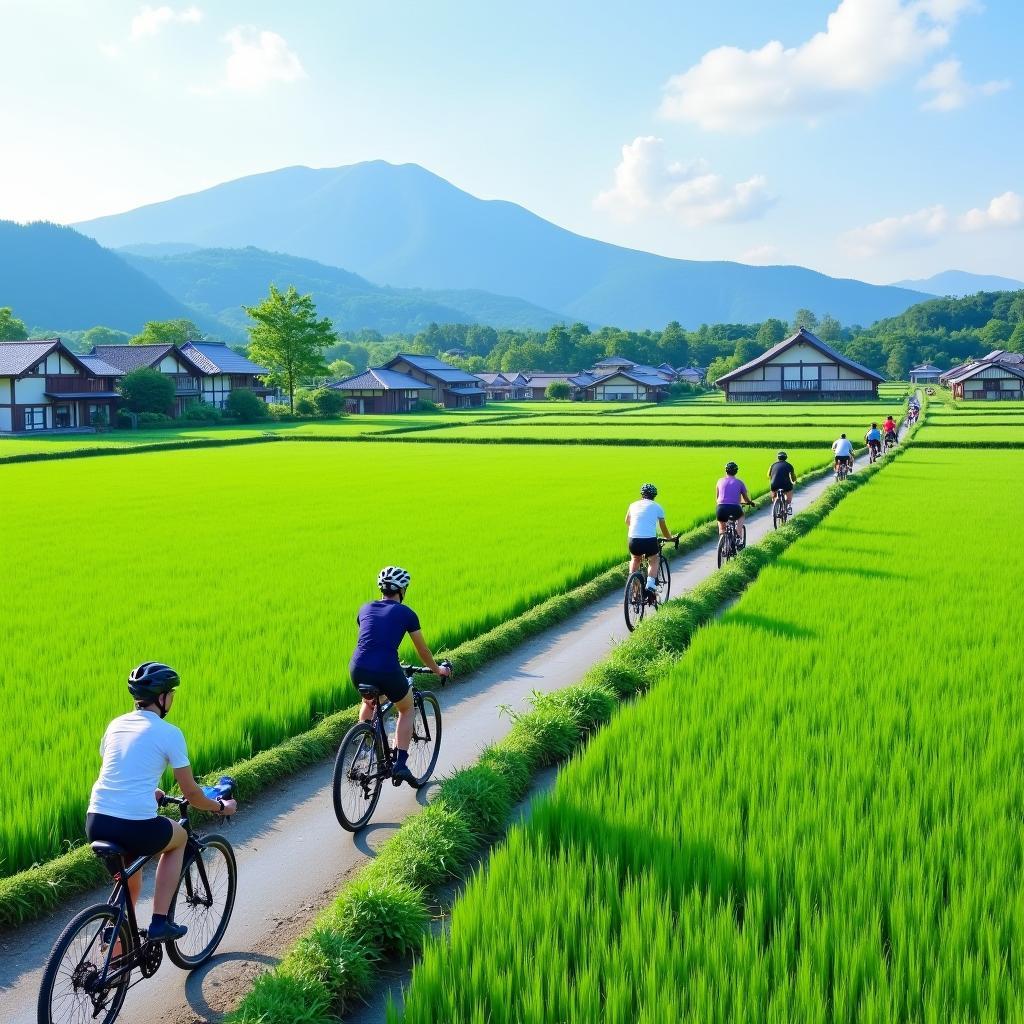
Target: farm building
point(45, 386)
point(579, 384)
point(380, 390)
point(634, 385)
point(925, 374)
point(223, 370)
point(446, 384)
point(504, 386)
point(691, 375)
point(801, 366)
point(988, 379)
point(165, 359)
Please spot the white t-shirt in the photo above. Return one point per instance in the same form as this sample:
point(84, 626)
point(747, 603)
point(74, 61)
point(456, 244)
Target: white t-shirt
point(643, 518)
point(844, 446)
point(135, 749)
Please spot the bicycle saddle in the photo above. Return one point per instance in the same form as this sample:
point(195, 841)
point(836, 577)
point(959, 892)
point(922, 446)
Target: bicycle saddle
point(102, 849)
point(369, 692)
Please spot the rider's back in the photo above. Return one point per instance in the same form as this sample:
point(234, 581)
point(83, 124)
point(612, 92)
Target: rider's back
point(644, 515)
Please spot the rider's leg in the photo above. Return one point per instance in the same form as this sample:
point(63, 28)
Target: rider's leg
point(634, 563)
point(168, 871)
point(652, 572)
point(741, 530)
point(403, 731)
point(366, 711)
point(789, 502)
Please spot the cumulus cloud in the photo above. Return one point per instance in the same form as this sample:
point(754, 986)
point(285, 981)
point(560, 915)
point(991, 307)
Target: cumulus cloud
point(150, 21)
point(1005, 211)
point(259, 58)
point(865, 43)
point(951, 90)
point(907, 232)
point(647, 181)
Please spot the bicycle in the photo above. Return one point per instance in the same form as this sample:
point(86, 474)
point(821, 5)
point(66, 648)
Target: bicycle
point(636, 598)
point(780, 510)
point(729, 543)
point(874, 452)
point(844, 466)
point(888, 444)
point(85, 981)
point(366, 755)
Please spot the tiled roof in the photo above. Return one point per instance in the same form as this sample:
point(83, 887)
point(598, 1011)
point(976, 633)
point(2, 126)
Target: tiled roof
point(131, 357)
point(649, 380)
point(18, 356)
point(925, 368)
point(215, 357)
point(465, 391)
point(973, 369)
point(376, 379)
point(99, 367)
point(802, 335)
point(491, 379)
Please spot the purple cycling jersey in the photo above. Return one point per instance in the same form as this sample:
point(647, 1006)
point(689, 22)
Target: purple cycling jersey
point(730, 488)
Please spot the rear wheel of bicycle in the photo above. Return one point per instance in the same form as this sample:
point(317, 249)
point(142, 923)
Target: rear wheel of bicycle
point(425, 744)
point(664, 579)
point(74, 966)
point(634, 600)
point(203, 903)
point(725, 549)
point(357, 777)
point(779, 513)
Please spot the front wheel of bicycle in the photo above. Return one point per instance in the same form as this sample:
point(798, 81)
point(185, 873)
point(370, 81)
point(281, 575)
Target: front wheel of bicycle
point(634, 600)
point(203, 903)
point(71, 990)
point(725, 549)
point(425, 744)
point(358, 776)
point(664, 579)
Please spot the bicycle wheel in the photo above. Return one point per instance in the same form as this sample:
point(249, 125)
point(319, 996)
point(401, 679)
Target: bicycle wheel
point(725, 551)
point(203, 903)
point(425, 744)
point(664, 579)
point(634, 601)
point(778, 513)
point(75, 965)
point(357, 777)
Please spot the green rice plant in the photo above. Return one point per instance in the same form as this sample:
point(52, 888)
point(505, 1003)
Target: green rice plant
point(814, 815)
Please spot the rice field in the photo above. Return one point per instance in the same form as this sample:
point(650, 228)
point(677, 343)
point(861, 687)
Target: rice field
point(816, 816)
point(244, 567)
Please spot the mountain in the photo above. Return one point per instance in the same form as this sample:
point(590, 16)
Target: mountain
point(219, 281)
point(405, 227)
point(57, 279)
point(958, 283)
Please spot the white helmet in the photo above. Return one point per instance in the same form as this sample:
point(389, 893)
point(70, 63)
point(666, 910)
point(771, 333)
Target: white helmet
point(392, 578)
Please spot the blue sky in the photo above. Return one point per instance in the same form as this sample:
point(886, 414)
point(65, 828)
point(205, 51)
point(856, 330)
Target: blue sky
point(877, 139)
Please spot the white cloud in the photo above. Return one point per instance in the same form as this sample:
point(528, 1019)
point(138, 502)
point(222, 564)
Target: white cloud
point(907, 232)
point(951, 91)
point(259, 58)
point(110, 50)
point(1005, 211)
point(865, 43)
point(762, 255)
point(647, 181)
point(150, 21)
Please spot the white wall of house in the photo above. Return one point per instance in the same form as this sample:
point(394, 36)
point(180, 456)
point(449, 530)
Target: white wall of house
point(5, 414)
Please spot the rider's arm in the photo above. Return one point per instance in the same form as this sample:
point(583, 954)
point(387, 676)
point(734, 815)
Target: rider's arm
point(664, 530)
point(192, 792)
point(746, 497)
point(416, 636)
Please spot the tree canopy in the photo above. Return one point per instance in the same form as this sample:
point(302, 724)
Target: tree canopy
point(11, 328)
point(146, 390)
point(167, 332)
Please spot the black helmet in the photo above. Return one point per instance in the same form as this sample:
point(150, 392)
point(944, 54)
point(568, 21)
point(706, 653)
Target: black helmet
point(731, 468)
point(843, 436)
point(648, 491)
point(782, 456)
point(148, 680)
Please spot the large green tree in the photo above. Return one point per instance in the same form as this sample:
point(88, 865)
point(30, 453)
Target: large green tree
point(103, 336)
point(167, 332)
point(11, 328)
point(146, 390)
point(829, 329)
point(288, 338)
point(804, 318)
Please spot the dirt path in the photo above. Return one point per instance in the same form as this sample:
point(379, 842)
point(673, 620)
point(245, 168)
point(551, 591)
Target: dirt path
point(292, 855)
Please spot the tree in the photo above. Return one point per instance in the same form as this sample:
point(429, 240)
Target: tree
point(897, 365)
point(1015, 343)
point(771, 332)
point(288, 338)
point(167, 332)
point(829, 329)
point(103, 336)
point(339, 369)
point(675, 346)
point(328, 402)
point(719, 367)
point(804, 318)
point(558, 391)
point(245, 406)
point(996, 333)
point(11, 328)
point(146, 390)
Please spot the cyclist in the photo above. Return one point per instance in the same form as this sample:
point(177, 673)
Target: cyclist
point(644, 518)
point(889, 427)
point(874, 440)
point(730, 496)
point(842, 449)
point(383, 625)
point(136, 748)
point(782, 479)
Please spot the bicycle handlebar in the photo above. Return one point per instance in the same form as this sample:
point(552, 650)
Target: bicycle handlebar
point(422, 670)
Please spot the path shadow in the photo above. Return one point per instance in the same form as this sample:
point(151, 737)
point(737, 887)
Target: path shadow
point(194, 983)
point(361, 839)
point(777, 627)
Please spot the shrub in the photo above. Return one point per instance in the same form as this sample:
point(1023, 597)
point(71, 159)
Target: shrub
point(100, 419)
point(304, 405)
point(558, 391)
point(124, 419)
point(202, 412)
point(425, 405)
point(146, 390)
point(328, 402)
point(245, 406)
point(280, 411)
point(154, 419)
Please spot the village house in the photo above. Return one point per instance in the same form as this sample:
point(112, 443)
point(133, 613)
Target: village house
point(225, 370)
point(925, 374)
point(379, 390)
point(45, 386)
point(165, 359)
point(447, 385)
point(691, 375)
point(638, 384)
point(579, 384)
point(998, 376)
point(800, 367)
point(504, 386)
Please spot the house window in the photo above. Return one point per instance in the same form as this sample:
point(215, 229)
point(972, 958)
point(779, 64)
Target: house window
point(62, 415)
point(35, 417)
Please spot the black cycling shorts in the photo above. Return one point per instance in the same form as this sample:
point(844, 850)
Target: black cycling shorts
point(848, 459)
point(393, 685)
point(723, 513)
point(140, 838)
point(644, 546)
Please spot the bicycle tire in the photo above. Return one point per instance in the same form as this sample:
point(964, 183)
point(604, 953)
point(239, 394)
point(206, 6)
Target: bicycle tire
point(664, 579)
point(98, 914)
point(634, 600)
point(423, 753)
point(221, 874)
point(778, 514)
point(723, 549)
point(359, 747)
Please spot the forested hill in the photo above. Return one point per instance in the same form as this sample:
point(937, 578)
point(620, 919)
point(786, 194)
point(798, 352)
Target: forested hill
point(219, 282)
point(58, 279)
point(406, 227)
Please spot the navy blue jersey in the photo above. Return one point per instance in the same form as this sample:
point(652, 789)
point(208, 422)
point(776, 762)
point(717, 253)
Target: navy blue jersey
point(383, 625)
